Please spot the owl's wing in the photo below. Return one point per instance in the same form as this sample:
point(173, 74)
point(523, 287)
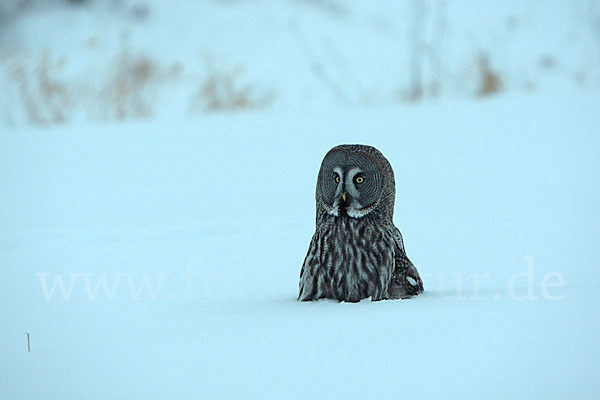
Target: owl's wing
point(406, 281)
point(308, 286)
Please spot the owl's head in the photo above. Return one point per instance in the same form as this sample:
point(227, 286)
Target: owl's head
point(356, 180)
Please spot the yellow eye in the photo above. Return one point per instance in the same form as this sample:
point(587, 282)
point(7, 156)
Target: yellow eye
point(359, 179)
point(337, 178)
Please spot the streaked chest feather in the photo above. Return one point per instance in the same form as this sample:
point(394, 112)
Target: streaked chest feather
point(349, 259)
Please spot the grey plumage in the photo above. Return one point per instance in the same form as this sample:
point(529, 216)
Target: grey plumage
point(356, 252)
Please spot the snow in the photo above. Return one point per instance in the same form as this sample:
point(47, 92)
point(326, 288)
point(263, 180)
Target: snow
point(191, 208)
point(160, 257)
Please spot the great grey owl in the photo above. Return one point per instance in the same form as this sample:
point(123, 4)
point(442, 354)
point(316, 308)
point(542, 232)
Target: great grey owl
point(357, 252)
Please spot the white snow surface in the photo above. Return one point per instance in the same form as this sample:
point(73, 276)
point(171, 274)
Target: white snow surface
point(179, 239)
point(480, 187)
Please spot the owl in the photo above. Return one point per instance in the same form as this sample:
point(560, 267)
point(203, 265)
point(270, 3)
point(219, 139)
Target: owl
point(357, 252)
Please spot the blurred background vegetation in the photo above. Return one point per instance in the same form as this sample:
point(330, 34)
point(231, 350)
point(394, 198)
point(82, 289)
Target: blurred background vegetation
point(92, 60)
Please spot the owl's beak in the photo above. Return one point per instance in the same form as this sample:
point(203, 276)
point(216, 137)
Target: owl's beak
point(344, 197)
